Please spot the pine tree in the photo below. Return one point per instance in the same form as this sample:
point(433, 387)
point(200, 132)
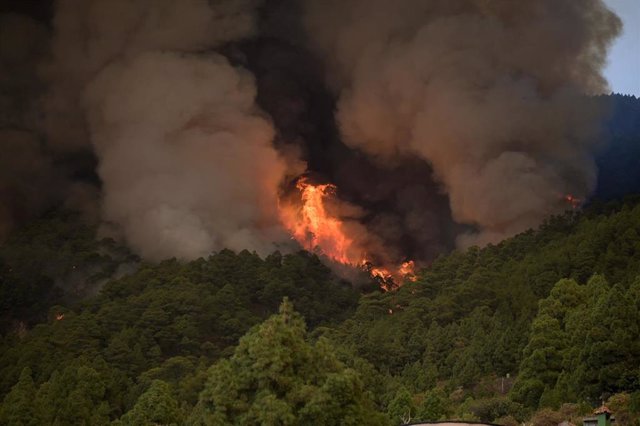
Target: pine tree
point(401, 408)
point(275, 377)
point(155, 406)
point(18, 409)
point(75, 396)
point(433, 406)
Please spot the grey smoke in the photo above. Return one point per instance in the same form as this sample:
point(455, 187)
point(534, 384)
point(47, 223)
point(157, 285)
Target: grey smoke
point(489, 92)
point(91, 35)
point(186, 159)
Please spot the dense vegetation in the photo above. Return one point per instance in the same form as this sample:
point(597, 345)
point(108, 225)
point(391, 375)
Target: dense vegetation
point(540, 327)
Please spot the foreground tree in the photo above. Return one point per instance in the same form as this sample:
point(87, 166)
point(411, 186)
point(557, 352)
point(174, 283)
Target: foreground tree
point(18, 408)
point(402, 409)
point(276, 377)
point(154, 407)
point(74, 396)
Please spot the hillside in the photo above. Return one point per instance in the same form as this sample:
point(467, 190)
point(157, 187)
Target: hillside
point(545, 318)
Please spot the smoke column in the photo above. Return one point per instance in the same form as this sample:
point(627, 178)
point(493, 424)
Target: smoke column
point(391, 213)
point(489, 92)
point(185, 156)
point(182, 123)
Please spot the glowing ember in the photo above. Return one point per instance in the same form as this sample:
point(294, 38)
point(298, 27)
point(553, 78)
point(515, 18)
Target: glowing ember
point(381, 273)
point(407, 270)
point(317, 230)
point(574, 201)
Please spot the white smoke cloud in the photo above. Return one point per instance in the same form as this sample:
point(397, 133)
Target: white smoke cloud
point(91, 34)
point(185, 156)
point(186, 159)
point(490, 93)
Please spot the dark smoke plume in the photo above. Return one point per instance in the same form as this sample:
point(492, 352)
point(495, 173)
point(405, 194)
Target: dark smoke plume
point(437, 120)
point(403, 213)
point(489, 92)
point(25, 167)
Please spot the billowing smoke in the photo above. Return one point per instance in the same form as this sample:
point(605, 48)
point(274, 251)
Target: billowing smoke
point(186, 123)
point(185, 157)
point(89, 36)
point(490, 93)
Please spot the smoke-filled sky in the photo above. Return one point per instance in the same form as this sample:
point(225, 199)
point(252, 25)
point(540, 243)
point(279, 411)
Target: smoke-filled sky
point(181, 126)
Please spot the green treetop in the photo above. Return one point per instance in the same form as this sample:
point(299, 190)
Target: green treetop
point(275, 377)
point(154, 407)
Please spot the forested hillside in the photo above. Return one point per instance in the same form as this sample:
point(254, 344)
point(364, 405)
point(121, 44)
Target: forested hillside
point(540, 327)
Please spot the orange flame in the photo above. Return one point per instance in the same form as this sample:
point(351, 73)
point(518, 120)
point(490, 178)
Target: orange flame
point(317, 230)
point(408, 270)
point(574, 201)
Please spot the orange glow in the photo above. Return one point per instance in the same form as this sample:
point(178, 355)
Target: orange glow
point(574, 201)
point(381, 273)
point(408, 270)
point(59, 317)
point(317, 230)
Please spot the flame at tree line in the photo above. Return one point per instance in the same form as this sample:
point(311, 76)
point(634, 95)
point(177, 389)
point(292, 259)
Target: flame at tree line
point(319, 231)
point(573, 201)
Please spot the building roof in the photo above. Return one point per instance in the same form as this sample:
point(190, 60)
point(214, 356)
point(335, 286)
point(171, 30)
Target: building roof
point(603, 409)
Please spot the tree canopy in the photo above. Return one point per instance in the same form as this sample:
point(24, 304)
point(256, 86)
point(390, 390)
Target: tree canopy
point(542, 326)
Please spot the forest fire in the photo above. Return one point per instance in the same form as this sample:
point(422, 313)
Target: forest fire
point(573, 201)
point(407, 270)
point(318, 230)
point(315, 229)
